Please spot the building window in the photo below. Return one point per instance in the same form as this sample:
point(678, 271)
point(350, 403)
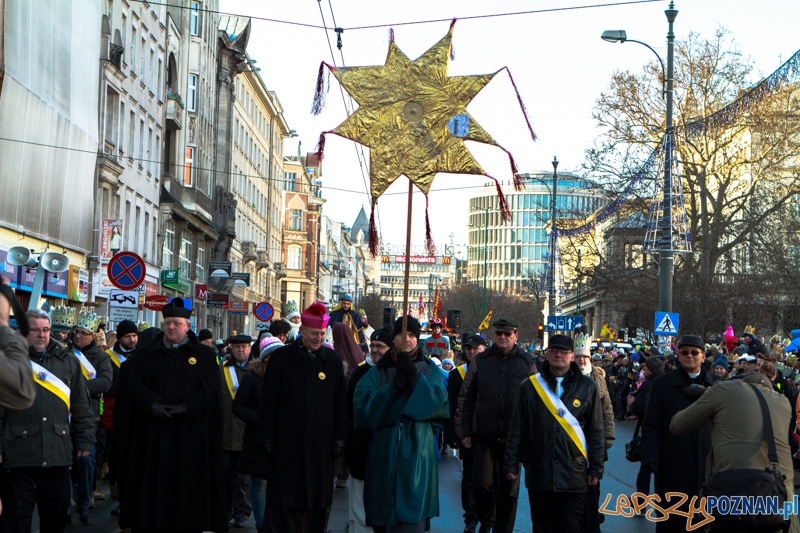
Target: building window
point(293, 256)
point(188, 170)
point(133, 49)
point(160, 79)
point(290, 181)
point(185, 256)
point(191, 95)
point(296, 220)
point(150, 151)
point(141, 142)
point(194, 19)
point(199, 269)
point(141, 57)
point(150, 72)
point(132, 136)
point(169, 242)
point(146, 235)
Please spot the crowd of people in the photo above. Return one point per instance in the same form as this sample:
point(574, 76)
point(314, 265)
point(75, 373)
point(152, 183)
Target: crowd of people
point(197, 435)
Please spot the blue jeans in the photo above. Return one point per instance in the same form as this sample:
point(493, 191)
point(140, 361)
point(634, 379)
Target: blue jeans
point(258, 496)
point(83, 469)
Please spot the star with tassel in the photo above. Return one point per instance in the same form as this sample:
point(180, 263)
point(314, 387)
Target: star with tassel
point(414, 119)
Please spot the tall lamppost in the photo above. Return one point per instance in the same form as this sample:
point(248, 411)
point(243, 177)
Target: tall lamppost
point(665, 251)
point(551, 303)
point(485, 254)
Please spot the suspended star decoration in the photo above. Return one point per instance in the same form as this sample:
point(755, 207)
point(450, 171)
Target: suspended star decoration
point(414, 119)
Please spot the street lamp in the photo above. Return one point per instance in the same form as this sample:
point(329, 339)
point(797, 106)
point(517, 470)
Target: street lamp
point(551, 303)
point(665, 252)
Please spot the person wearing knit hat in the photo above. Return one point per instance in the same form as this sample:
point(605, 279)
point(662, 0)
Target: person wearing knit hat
point(269, 345)
point(205, 337)
point(721, 367)
point(304, 441)
point(410, 385)
point(178, 391)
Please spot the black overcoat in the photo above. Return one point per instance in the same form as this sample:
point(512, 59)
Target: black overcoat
point(681, 459)
point(173, 478)
point(303, 411)
point(252, 460)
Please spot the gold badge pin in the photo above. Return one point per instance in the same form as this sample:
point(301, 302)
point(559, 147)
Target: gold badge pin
point(576, 403)
point(321, 375)
point(192, 361)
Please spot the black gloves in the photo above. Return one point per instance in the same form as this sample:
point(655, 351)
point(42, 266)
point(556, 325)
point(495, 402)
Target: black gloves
point(653, 468)
point(268, 448)
point(160, 411)
point(404, 364)
point(177, 409)
point(400, 383)
point(338, 449)
point(694, 391)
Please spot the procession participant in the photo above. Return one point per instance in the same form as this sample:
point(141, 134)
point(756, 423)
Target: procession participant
point(36, 468)
point(173, 414)
point(302, 442)
point(344, 313)
point(400, 399)
point(437, 345)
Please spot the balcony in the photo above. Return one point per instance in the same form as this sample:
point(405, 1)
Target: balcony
point(262, 260)
point(174, 111)
point(249, 252)
point(280, 270)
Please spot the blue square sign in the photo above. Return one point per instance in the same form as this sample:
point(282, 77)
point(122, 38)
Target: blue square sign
point(666, 324)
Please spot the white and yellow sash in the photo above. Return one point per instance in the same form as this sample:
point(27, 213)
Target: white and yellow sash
point(86, 367)
point(561, 413)
point(232, 379)
point(462, 371)
point(50, 382)
point(117, 358)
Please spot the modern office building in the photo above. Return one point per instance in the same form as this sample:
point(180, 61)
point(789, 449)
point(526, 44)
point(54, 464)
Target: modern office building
point(509, 254)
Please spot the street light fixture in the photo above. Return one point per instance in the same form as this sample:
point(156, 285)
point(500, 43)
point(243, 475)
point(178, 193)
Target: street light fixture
point(620, 36)
point(551, 303)
point(665, 251)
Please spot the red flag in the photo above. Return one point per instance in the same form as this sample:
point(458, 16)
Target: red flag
point(438, 311)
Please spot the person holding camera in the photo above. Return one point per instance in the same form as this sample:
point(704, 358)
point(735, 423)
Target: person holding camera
point(678, 462)
point(17, 390)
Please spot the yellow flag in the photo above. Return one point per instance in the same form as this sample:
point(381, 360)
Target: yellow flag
point(485, 323)
point(606, 332)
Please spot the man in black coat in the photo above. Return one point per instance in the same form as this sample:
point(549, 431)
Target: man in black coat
point(173, 418)
point(678, 462)
point(483, 418)
point(653, 368)
point(474, 345)
point(302, 427)
point(558, 433)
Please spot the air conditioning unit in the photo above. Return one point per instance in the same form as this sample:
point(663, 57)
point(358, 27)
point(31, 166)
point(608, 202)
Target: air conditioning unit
point(249, 251)
point(262, 260)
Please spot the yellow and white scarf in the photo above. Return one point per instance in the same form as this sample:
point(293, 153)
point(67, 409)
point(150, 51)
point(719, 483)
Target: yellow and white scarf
point(561, 413)
point(117, 358)
point(232, 380)
point(86, 367)
point(50, 382)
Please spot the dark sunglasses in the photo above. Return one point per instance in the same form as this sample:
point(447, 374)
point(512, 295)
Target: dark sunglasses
point(692, 352)
point(503, 333)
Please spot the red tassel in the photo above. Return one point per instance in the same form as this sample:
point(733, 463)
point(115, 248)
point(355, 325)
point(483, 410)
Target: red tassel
point(374, 244)
point(505, 211)
point(320, 151)
point(320, 92)
point(391, 34)
point(453, 23)
point(521, 104)
point(518, 183)
point(429, 246)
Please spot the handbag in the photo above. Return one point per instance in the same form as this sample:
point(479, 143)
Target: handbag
point(769, 482)
point(633, 449)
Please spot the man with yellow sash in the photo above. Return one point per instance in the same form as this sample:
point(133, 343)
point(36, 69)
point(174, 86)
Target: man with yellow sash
point(96, 368)
point(474, 345)
point(237, 485)
point(36, 444)
point(557, 431)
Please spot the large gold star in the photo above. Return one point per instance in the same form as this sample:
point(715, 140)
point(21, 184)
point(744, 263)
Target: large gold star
point(413, 117)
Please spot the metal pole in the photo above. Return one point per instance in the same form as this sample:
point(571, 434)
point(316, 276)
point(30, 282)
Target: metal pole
point(485, 255)
point(665, 253)
point(578, 302)
point(551, 304)
point(404, 329)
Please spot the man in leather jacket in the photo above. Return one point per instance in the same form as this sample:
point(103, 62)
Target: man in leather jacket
point(557, 432)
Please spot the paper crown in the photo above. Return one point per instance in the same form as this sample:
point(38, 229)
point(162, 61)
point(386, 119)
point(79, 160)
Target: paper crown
point(581, 344)
point(361, 313)
point(62, 317)
point(89, 321)
point(750, 330)
point(144, 325)
point(290, 307)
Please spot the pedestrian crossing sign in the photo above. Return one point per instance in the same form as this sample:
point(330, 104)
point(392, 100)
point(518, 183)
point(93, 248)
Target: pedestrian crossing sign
point(666, 324)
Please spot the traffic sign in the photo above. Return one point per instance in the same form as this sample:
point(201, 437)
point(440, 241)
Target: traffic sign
point(263, 311)
point(563, 323)
point(118, 314)
point(156, 302)
point(127, 299)
point(666, 324)
point(126, 271)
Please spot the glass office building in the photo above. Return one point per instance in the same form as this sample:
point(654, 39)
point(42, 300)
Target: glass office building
point(511, 253)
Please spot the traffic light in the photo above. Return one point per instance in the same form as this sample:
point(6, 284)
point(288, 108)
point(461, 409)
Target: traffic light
point(540, 331)
point(454, 319)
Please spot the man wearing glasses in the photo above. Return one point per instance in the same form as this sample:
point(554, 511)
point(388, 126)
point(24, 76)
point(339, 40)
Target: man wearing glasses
point(483, 418)
point(678, 462)
point(558, 432)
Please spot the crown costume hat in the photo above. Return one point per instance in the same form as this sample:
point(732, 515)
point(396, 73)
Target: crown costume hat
point(89, 321)
point(581, 344)
point(62, 318)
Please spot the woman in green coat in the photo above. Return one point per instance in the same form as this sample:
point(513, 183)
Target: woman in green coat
point(401, 399)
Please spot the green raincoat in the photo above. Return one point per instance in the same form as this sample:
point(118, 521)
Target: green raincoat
point(401, 484)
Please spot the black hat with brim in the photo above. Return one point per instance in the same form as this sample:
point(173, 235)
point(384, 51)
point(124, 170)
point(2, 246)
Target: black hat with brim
point(561, 342)
point(176, 308)
point(475, 341)
point(692, 340)
point(241, 339)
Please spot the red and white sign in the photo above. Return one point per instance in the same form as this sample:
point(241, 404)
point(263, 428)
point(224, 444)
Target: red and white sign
point(200, 291)
point(425, 259)
point(156, 302)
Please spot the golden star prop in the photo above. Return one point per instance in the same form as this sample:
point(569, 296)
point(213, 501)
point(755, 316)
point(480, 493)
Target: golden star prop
point(414, 119)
